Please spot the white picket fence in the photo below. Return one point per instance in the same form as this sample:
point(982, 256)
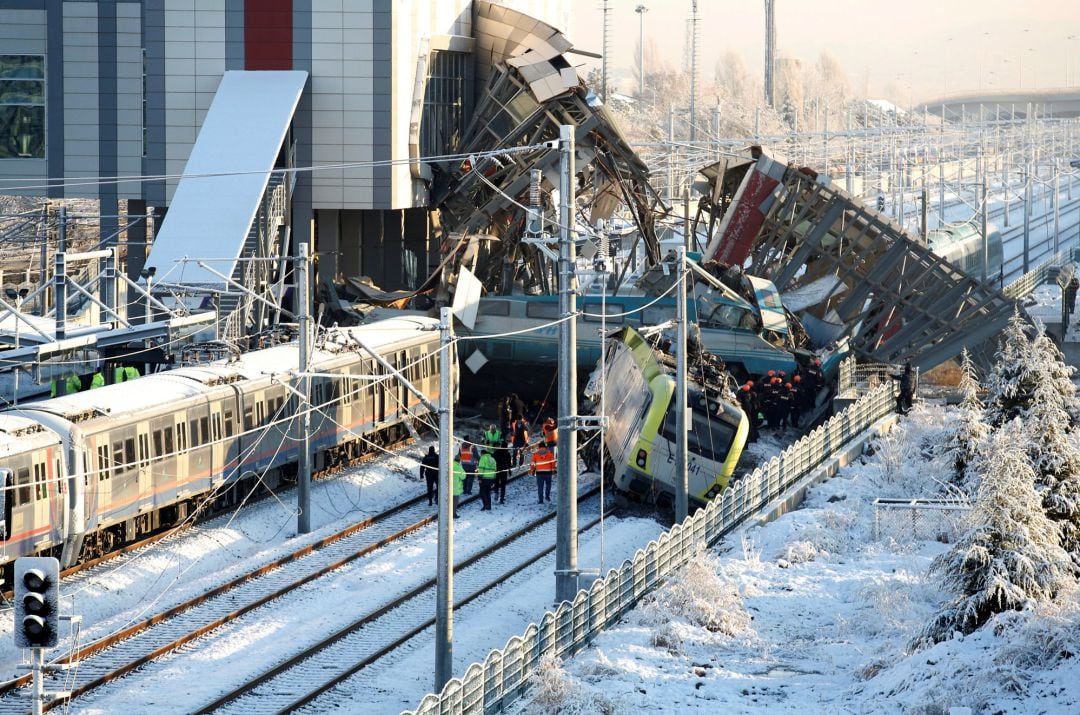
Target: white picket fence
point(490, 686)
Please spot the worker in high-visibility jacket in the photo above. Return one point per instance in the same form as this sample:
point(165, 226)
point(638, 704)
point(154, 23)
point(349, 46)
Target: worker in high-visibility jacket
point(543, 466)
point(486, 469)
point(493, 437)
point(551, 433)
point(458, 473)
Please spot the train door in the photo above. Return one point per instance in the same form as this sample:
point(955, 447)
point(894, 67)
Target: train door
point(146, 474)
point(163, 457)
point(231, 426)
point(39, 495)
point(183, 456)
point(101, 475)
point(6, 486)
point(20, 495)
point(216, 446)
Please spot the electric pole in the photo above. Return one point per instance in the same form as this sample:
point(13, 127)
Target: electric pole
point(770, 51)
point(682, 502)
point(444, 606)
point(566, 568)
point(641, 10)
point(303, 317)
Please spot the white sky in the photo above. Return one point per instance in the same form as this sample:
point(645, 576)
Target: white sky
point(923, 46)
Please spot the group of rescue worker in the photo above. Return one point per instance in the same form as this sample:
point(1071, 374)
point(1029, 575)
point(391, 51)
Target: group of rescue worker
point(489, 462)
point(777, 400)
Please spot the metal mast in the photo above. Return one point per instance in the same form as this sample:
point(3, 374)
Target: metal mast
point(682, 461)
point(606, 50)
point(566, 568)
point(641, 10)
point(693, 69)
point(770, 51)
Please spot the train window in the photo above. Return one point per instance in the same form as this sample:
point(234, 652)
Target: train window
point(249, 422)
point(494, 307)
point(228, 422)
point(129, 452)
point(655, 316)
point(193, 433)
point(159, 447)
point(613, 311)
point(103, 462)
point(181, 437)
point(260, 413)
point(204, 430)
point(144, 450)
point(168, 432)
point(547, 310)
point(59, 479)
point(118, 459)
point(40, 487)
point(217, 426)
point(22, 486)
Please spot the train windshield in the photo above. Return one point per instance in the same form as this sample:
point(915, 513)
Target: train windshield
point(710, 435)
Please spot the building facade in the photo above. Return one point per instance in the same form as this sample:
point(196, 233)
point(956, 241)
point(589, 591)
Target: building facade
point(104, 99)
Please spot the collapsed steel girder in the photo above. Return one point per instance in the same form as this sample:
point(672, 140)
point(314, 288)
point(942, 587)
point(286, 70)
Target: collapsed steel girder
point(489, 197)
point(896, 299)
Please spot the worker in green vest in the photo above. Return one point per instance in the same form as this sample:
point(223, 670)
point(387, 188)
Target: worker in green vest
point(493, 437)
point(486, 469)
point(458, 473)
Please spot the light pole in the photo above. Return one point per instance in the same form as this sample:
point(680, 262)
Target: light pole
point(17, 296)
point(148, 274)
point(641, 10)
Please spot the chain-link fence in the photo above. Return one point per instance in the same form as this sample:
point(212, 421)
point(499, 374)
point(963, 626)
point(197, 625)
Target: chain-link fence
point(920, 519)
point(490, 686)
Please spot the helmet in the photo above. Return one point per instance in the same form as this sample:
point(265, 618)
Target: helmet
point(772, 373)
point(783, 374)
point(787, 385)
point(746, 388)
point(818, 362)
point(749, 383)
point(776, 381)
point(797, 378)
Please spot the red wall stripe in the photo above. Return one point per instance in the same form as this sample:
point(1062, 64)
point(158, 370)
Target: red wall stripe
point(268, 29)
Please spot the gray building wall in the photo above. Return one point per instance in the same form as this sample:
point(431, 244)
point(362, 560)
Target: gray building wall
point(23, 31)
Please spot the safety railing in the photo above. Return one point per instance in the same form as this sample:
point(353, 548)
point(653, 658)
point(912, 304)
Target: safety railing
point(1030, 280)
point(502, 677)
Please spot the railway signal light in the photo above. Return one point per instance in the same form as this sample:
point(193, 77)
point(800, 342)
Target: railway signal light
point(37, 602)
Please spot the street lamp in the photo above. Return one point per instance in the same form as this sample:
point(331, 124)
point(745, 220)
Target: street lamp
point(641, 10)
point(148, 274)
point(18, 296)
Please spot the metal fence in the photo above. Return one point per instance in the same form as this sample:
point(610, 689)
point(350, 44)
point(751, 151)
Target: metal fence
point(1032, 279)
point(940, 519)
point(857, 378)
point(490, 686)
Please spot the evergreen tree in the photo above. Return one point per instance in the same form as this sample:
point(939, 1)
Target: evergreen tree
point(1053, 455)
point(1053, 370)
point(965, 435)
point(1011, 557)
point(1012, 380)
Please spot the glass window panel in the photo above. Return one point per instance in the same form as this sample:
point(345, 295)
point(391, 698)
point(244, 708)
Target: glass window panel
point(21, 92)
point(22, 66)
point(22, 132)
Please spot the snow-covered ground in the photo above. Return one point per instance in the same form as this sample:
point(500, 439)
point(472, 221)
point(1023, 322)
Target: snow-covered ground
point(812, 614)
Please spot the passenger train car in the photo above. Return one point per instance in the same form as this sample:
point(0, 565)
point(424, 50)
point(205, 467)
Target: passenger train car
point(640, 401)
point(962, 244)
point(86, 473)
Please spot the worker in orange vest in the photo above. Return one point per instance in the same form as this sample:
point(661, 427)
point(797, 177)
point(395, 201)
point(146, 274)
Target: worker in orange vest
point(551, 433)
point(543, 466)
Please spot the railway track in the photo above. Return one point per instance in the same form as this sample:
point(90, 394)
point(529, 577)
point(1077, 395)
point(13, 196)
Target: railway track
point(314, 671)
point(110, 658)
point(174, 530)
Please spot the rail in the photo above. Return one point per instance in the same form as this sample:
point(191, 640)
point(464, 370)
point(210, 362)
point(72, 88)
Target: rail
point(498, 681)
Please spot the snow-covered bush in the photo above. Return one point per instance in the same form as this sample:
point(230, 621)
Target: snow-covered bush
point(1012, 380)
point(554, 692)
point(1057, 463)
point(1011, 558)
point(966, 432)
point(799, 552)
point(701, 596)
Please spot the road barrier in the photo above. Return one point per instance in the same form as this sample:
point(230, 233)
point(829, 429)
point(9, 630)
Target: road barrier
point(502, 677)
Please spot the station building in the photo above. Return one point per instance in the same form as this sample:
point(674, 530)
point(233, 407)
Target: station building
point(106, 99)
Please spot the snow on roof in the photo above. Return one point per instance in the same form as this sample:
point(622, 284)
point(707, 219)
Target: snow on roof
point(19, 434)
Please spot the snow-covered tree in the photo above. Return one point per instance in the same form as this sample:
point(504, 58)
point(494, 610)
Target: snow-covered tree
point(1011, 558)
point(1055, 372)
point(1012, 380)
point(1053, 455)
point(964, 436)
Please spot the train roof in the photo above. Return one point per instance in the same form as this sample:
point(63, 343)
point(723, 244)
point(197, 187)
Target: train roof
point(155, 390)
point(19, 434)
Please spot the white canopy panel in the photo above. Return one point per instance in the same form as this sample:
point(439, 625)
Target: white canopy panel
point(226, 175)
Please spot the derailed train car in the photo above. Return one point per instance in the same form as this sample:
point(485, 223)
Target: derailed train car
point(640, 401)
point(86, 473)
